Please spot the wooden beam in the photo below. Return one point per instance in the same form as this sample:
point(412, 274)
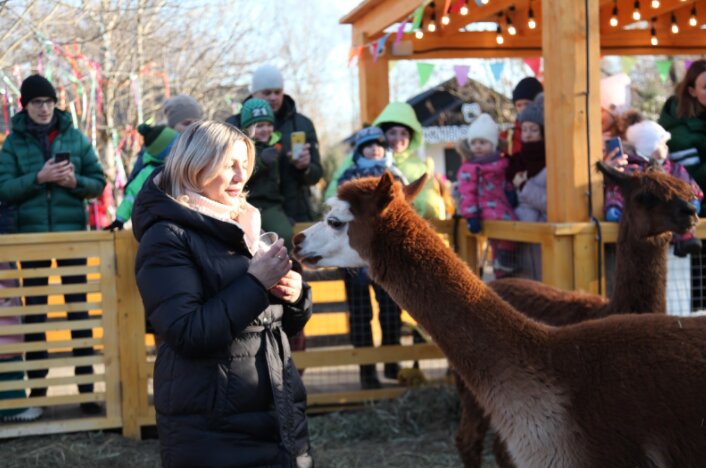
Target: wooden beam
point(474, 44)
point(637, 42)
point(571, 105)
point(625, 10)
point(375, 16)
point(477, 14)
point(373, 86)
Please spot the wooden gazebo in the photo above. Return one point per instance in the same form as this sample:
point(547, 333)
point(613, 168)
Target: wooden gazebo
point(571, 36)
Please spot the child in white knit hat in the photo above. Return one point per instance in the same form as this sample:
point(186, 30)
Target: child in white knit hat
point(482, 188)
point(650, 142)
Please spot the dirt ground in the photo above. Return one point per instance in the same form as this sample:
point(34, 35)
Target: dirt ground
point(416, 430)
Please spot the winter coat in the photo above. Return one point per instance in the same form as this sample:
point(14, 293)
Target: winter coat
point(226, 390)
point(263, 187)
point(149, 164)
point(482, 186)
point(687, 134)
point(294, 183)
point(532, 199)
point(356, 171)
point(48, 207)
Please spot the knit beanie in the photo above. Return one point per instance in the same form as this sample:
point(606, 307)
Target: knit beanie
point(485, 128)
point(534, 111)
point(367, 135)
point(256, 110)
point(36, 86)
point(180, 108)
point(527, 88)
point(266, 77)
point(646, 136)
point(157, 138)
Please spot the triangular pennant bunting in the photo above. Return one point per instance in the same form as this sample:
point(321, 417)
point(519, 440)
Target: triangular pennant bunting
point(400, 31)
point(424, 70)
point(497, 69)
point(461, 72)
point(663, 67)
point(535, 64)
point(418, 15)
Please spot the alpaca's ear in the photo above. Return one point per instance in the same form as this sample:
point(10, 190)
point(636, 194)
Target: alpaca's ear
point(384, 191)
point(613, 175)
point(412, 190)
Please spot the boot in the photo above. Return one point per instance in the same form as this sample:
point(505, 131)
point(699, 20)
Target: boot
point(391, 370)
point(369, 377)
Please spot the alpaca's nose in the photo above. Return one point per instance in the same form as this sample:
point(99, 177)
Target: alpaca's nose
point(296, 240)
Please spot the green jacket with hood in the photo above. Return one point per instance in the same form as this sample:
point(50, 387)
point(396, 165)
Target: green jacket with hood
point(294, 183)
point(687, 133)
point(263, 187)
point(150, 163)
point(429, 202)
point(48, 207)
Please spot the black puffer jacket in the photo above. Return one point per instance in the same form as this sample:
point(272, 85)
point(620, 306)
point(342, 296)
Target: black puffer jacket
point(226, 390)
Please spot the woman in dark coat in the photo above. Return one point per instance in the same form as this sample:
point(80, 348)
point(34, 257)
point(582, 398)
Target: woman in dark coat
point(227, 393)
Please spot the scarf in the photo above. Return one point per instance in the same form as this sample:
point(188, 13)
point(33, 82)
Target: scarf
point(41, 133)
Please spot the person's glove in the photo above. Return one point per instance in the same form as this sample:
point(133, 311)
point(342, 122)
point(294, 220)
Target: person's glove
point(474, 225)
point(512, 198)
point(613, 214)
point(116, 225)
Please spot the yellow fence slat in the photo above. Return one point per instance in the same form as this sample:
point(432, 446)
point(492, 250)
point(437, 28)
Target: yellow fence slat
point(32, 252)
point(47, 272)
point(49, 345)
point(91, 287)
point(339, 357)
point(49, 363)
point(52, 400)
point(58, 427)
point(54, 381)
point(52, 325)
point(49, 308)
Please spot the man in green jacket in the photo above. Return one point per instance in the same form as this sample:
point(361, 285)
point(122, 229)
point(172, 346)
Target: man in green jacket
point(296, 175)
point(48, 169)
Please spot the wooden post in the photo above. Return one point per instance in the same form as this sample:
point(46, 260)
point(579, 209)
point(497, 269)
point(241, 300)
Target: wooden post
point(131, 336)
point(373, 84)
point(571, 71)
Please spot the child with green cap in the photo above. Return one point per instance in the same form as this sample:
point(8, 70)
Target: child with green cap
point(158, 141)
point(257, 121)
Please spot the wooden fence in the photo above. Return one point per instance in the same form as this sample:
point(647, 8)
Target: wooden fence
point(124, 357)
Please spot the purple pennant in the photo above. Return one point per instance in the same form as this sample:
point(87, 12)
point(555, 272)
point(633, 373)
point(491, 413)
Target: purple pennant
point(461, 72)
point(687, 65)
point(400, 31)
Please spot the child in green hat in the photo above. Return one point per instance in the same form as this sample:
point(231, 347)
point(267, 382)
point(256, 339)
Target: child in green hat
point(257, 121)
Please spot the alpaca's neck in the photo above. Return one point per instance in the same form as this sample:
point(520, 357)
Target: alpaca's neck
point(640, 274)
point(481, 335)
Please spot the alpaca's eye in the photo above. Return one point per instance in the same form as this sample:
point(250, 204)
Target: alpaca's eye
point(335, 223)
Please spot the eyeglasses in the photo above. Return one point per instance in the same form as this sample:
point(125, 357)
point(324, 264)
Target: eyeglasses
point(38, 103)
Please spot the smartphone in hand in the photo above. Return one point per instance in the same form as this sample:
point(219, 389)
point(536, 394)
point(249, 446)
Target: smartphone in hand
point(298, 142)
point(62, 157)
point(611, 144)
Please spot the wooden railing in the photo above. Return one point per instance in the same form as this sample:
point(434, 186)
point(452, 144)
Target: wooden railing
point(123, 362)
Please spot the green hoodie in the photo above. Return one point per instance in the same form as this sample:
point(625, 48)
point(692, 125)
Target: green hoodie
point(687, 133)
point(429, 202)
point(150, 163)
point(48, 207)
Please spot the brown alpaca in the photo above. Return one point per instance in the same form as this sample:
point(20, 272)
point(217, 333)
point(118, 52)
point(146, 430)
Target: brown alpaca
point(619, 391)
point(656, 204)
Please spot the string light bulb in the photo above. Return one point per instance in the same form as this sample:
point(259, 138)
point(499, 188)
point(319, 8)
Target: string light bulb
point(655, 4)
point(431, 27)
point(511, 30)
point(499, 35)
point(484, 2)
point(464, 9)
point(419, 33)
point(636, 12)
point(614, 14)
point(445, 20)
point(692, 17)
point(653, 32)
point(675, 26)
point(531, 23)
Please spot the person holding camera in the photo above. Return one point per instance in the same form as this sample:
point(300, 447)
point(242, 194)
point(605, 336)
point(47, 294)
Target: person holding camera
point(47, 169)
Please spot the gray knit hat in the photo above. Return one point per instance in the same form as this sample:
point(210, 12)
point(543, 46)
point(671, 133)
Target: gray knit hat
point(534, 111)
point(180, 108)
point(266, 77)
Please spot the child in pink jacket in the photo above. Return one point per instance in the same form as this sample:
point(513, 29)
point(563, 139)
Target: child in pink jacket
point(483, 190)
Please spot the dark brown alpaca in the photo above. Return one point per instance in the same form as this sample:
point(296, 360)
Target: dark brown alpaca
point(619, 391)
point(655, 205)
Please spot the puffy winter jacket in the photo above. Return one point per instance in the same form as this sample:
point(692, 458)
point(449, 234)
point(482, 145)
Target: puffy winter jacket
point(687, 134)
point(227, 392)
point(48, 207)
point(295, 183)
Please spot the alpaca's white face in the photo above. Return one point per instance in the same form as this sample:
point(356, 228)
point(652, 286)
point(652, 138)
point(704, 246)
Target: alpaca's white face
point(326, 243)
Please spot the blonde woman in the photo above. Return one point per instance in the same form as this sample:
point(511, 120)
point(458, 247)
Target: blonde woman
point(226, 390)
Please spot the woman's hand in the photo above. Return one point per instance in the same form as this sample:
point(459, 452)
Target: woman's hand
point(271, 265)
point(289, 287)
